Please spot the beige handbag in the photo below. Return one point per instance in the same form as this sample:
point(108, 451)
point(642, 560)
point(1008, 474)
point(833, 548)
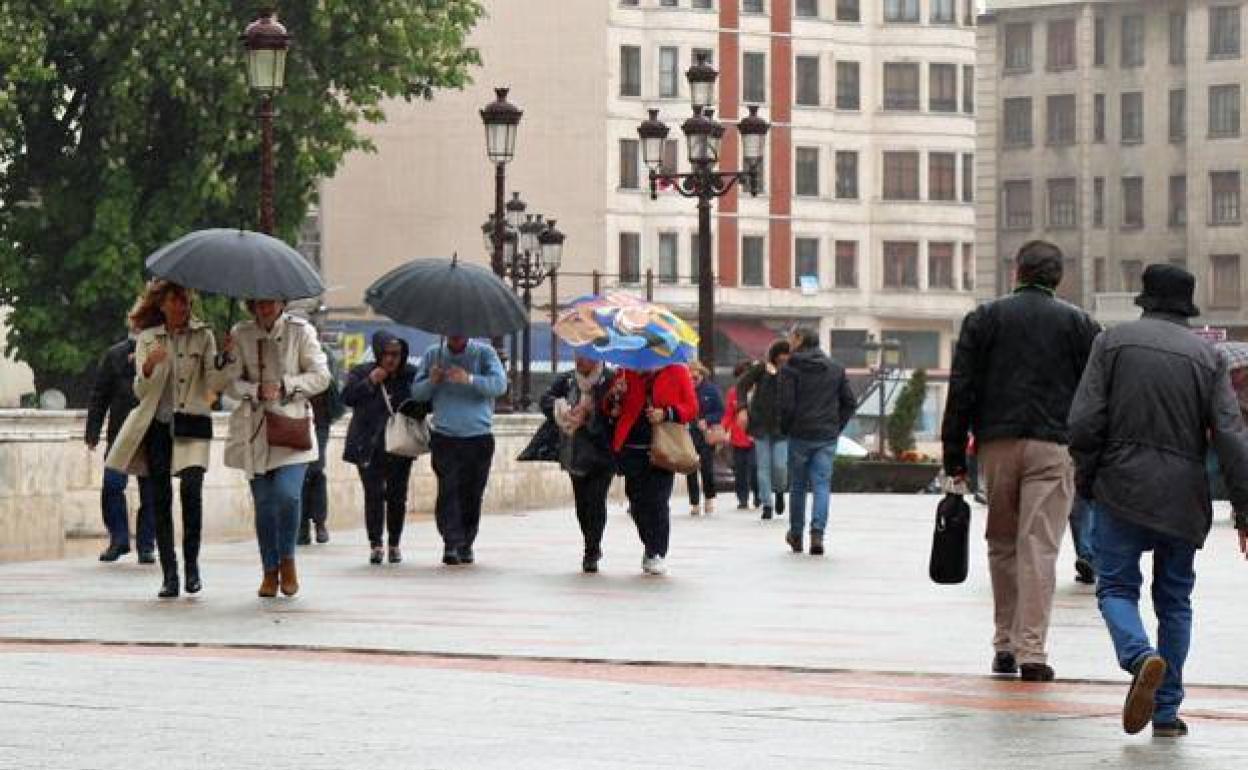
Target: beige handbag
point(672, 449)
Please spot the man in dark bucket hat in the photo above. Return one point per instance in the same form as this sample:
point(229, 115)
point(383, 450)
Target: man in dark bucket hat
point(1151, 398)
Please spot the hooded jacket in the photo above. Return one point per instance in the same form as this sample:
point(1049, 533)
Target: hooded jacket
point(366, 432)
point(762, 400)
point(815, 399)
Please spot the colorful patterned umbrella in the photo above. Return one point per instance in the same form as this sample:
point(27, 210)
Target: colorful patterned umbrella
point(627, 331)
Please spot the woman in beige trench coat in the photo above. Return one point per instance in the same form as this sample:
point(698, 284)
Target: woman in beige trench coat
point(276, 365)
point(169, 433)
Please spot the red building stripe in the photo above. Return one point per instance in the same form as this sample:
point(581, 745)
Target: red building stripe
point(780, 168)
point(726, 241)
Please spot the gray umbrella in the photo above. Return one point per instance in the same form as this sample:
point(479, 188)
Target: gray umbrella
point(448, 297)
point(236, 263)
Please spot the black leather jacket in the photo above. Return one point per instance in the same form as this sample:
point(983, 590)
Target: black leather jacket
point(112, 395)
point(815, 400)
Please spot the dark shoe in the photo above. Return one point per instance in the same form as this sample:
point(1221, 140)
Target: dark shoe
point(779, 503)
point(147, 557)
point(394, 555)
point(114, 552)
point(743, 507)
point(1037, 672)
point(169, 588)
point(589, 564)
point(1084, 573)
point(305, 534)
point(766, 513)
point(322, 534)
point(466, 556)
point(268, 586)
point(376, 555)
point(1003, 663)
point(794, 541)
point(1141, 701)
point(450, 557)
point(288, 577)
point(193, 584)
point(1175, 729)
point(816, 543)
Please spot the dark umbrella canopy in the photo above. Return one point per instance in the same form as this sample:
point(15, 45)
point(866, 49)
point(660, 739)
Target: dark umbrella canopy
point(447, 297)
point(236, 263)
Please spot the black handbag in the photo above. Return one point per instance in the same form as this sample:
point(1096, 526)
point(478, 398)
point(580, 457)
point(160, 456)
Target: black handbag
point(951, 541)
point(580, 455)
point(187, 425)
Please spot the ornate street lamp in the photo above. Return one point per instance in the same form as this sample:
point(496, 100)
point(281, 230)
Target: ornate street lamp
point(538, 256)
point(702, 77)
point(501, 119)
point(266, 43)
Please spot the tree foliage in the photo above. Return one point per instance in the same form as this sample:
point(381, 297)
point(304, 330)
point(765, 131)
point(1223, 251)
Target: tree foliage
point(906, 412)
point(126, 123)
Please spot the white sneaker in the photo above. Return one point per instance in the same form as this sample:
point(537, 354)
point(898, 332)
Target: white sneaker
point(654, 565)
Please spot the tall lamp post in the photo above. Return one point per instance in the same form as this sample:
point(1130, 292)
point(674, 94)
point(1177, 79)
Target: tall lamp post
point(539, 255)
point(501, 119)
point(266, 42)
point(887, 355)
point(703, 135)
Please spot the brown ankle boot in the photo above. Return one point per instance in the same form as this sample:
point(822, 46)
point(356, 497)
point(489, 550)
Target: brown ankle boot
point(290, 580)
point(268, 586)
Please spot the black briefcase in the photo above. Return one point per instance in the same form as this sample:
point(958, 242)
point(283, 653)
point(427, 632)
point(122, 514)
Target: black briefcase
point(950, 541)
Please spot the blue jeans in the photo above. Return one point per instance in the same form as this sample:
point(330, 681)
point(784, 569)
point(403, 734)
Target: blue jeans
point(810, 467)
point(772, 455)
point(278, 500)
point(1082, 527)
point(1119, 545)
point(116, 516)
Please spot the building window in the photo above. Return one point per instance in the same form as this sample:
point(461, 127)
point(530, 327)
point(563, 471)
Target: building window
point(944, 12)
point(940, 266)
point(629, 3)
point(901, 176)
point(1132, 41)
point(1224, 32)
point(806, 177)
point(1062, 208)
point(1224, 186)
point(754, 78)
point(752, 253)
point(1178, 38)
point(1017, 47)
point(1132, 275)
point(848, 10)
point(806, 258)
point(1225, 286)
point(968, 267)
point(1223, 111)
point(1177, 216)
point(846, 264)
point(753, 6)
point(1061, 45)
point(668, 258)
point(309, 240)
point(1018, 204)
point(968, 89)
point(901, 265)
point(968, 178)
point(760, 172)
point(808, 9)
point(703, 5)
point(629, 177)
point(1060, 129)
point(943, 88)
point(1178, 115)
point(1132, 201)
point(1132, 117)
point(847, 92)
point(1098, 202)
point(630, 70)
point(695, 257)
point(1018, 122)
point(1098, 117)
point(669, 72)
point(1098, 42)
point(807, 85)
point(901, 10)
point(1098, 275)
point(901, 86)
point(847, 174)
point(942, 176)
point(671, 157)
point(630, 258)
point(669, 3)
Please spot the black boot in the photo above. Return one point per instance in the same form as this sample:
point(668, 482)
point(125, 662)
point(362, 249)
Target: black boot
point(193, 584)
point(779, 503)
point(305, 533)
point(169, 589)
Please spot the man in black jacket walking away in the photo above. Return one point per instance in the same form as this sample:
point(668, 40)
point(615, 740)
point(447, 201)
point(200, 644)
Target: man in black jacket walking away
point(1153, 395)
point(1015, 372)
point(112, 397)
point(815, 403)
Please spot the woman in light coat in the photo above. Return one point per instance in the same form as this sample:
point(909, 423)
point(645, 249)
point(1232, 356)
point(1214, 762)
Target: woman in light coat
point(276, 364)
point(169, 433)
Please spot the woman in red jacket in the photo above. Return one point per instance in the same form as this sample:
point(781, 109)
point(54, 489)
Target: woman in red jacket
point(637, 402)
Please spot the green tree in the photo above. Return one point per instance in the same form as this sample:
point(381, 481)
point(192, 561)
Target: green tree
point(125, 124)
point(906, 412)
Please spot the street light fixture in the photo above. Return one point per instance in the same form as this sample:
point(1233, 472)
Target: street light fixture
point(702, 77)
point(539, 256)
point(501, 119)
point(266, 43)
point(515, 211)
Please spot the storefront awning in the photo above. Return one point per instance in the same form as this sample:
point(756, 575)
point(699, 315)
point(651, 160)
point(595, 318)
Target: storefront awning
point(752, 338)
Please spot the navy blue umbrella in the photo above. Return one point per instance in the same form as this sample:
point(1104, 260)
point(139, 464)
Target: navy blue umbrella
point(236, 263)
point(447, 297)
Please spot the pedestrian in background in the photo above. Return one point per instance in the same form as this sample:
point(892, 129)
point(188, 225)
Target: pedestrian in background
point(1015, 370)
point(461, 379)
point(816, 403)
point(112, 397)
point(708, 434)
point(1152, 399)
point(375, 391)
point(327, 408)
point(736, 423)
point(169, 433)
point(760, 385)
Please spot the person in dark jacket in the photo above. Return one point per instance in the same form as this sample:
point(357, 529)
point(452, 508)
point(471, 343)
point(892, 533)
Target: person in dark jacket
point(1153, 397)
point(374, 391)
point(744, 460)
point(760, 408)
point(573, 404)
point(112, 397)
point(815, 403)
point(710, 414)
point(1015, 370)
point(327, 407)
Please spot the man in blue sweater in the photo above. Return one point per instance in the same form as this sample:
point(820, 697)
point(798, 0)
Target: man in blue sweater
point(461, 379)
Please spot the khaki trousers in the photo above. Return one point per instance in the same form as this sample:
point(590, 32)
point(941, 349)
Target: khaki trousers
point(1030, 491)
